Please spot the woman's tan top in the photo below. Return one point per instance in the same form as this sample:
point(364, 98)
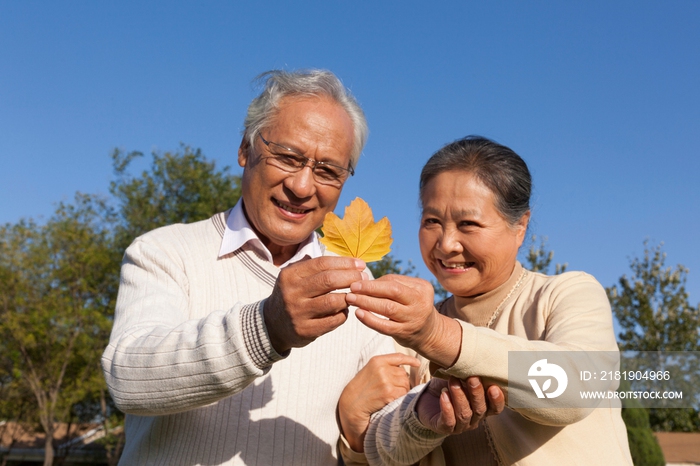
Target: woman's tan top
point(542, 313)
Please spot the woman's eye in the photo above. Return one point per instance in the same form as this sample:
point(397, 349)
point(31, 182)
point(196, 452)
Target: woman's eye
point(430, 221)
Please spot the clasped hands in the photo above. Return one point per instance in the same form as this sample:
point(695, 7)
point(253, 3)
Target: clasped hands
point(302, 307)
point(445, 407)
point(405, 305)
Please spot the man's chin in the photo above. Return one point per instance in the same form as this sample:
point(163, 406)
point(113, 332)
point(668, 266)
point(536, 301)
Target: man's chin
point(290, 237)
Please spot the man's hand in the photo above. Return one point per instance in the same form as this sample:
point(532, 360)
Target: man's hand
point(301, 307)
point(454, 406)
point(411, 317)
point(380, 382)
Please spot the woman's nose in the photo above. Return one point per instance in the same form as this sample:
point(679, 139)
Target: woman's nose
point(449, 242)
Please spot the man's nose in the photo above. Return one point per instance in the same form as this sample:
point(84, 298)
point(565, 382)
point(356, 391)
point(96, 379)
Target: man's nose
point(302, 183)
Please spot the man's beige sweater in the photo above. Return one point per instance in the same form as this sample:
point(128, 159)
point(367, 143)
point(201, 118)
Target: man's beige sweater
point(190, 362)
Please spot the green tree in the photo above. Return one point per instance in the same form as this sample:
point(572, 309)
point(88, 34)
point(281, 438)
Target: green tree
point(644, 447)
point(388, 265)
point(59, 282)
point(654, 314)
point(539, 258)
point(178, 187)
point(652, 306)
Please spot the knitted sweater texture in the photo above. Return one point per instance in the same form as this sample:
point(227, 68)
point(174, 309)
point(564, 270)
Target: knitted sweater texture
point(190, 361)
point(568, 312)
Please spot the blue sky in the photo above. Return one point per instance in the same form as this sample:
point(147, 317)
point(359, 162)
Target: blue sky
point(600, 98)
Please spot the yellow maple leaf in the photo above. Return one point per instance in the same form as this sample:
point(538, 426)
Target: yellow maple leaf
point(357, 235)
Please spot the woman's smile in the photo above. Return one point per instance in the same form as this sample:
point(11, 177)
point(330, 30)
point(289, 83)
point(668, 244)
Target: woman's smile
point(456, 266)
point(465, 241)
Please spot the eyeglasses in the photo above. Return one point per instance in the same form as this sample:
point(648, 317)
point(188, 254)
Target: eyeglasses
point(291, 161)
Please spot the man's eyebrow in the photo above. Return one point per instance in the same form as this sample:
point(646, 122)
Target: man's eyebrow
point(323, 158)
point(287, 147)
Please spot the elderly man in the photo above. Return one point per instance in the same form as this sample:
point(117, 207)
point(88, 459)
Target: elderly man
point(200, 356)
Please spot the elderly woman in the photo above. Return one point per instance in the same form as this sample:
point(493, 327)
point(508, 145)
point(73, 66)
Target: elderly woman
point(475, 197)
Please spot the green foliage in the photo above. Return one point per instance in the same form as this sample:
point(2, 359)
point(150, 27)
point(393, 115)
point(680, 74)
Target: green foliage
point(539, 258)
point(59, 283)
point(644, 447)
point(652, 306)
point(674, 419)
point(388, 265)
point(179, 187)
point(654, 313)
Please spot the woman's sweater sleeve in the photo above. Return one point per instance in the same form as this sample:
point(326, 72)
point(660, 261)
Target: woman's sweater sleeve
point(575, 315)
point(396, 437)
point(577, 318)
point(158, 360)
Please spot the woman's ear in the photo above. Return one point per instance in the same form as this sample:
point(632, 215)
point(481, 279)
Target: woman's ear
point(521, 227)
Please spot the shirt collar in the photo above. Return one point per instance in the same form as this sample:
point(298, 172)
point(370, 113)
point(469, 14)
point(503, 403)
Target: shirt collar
point(239, 232)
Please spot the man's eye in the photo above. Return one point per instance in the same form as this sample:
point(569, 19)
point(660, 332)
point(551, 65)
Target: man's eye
point(290, 159)
point(327, 173)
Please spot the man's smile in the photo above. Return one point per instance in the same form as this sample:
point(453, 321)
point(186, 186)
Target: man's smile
point(289, 208)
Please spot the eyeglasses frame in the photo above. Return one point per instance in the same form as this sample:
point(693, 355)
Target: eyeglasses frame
point(314, 163)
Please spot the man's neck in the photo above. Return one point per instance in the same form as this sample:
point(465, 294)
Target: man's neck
point(280, 254)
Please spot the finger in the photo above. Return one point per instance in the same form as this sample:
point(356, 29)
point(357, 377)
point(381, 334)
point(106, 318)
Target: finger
point(382, 288)
point(405, 280)
point(386, 307)
point(398, 359)
point(496, 400)
point(383, 326)
point(435, 387)
point(402, 381)
point(330, 322)
point(330, 280)
point(477, 399)
point(446, 422)
point(462, 408)
point(325, 305)
point(307, 268)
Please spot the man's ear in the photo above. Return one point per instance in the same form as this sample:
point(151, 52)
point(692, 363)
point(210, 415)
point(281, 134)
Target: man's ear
point(243, 151)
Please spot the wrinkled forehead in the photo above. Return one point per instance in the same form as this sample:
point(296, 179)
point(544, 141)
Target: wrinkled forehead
point(312, 124)
point(468, 178)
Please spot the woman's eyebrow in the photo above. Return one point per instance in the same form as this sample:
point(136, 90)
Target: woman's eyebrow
point(459, 213)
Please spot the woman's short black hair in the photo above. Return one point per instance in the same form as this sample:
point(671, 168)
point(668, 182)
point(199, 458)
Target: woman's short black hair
point(501, 170)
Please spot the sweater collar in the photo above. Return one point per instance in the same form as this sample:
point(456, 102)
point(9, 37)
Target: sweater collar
point(238, 232)
point(478, 310)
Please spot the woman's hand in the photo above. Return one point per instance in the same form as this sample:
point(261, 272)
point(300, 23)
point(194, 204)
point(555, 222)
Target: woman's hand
point(413, 321)
point(379, 383)
point(454, 406)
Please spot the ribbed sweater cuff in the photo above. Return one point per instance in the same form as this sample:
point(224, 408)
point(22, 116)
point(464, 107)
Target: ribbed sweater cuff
point(256, 338)
point(417, 429)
